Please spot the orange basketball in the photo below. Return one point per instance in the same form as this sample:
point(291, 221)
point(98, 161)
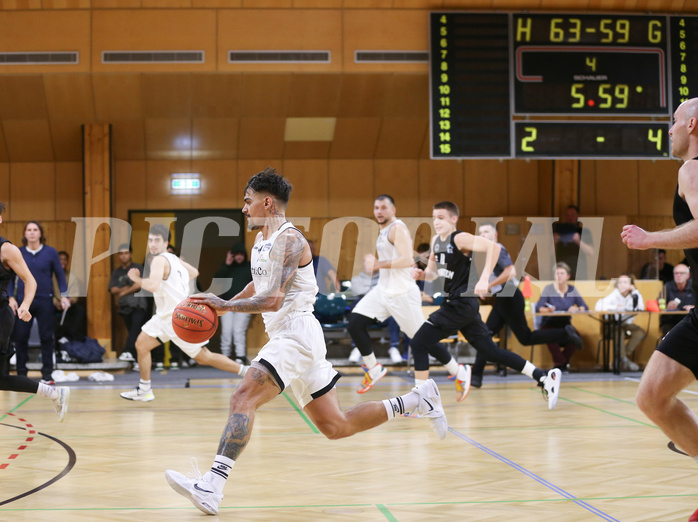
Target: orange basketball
point(194, 322)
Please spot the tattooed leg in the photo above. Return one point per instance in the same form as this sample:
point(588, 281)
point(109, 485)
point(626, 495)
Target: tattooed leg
point(257, 388)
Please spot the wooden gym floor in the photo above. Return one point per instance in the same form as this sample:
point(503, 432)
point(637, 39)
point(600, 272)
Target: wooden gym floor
point(507, 457)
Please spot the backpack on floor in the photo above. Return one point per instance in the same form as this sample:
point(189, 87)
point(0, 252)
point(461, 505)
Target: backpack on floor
point(85, 351)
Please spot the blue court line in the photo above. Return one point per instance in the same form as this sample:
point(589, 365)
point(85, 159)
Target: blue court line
point(535, 477)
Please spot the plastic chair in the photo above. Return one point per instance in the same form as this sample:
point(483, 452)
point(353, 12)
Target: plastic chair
point(331, 311)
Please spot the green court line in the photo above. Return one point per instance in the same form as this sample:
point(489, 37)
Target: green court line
point(386, 512)
point(382, 507)
point(601, 395)
point(18, 406)
point(300, 412)
point(609, 413)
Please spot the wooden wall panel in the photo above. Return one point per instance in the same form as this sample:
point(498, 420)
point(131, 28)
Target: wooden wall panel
point(166, 95)
point(401, 137)
point(265, 95)
point(217, 3)
point(69, 97)
point(169, 138)
point(394, 30)
point(129, 187)
point(117, 96)
point(350, 188)
point(408, 96)
point(157, 189)
point(616, 187)
point(66, 139)
point(400, 179)
point(313, 95)
point(26, 31)
point(587, 189)
point(355, 138)
point(310, 186)
point(22, 97)
point(215, 138)
point(216, 95)
point(28, 140)
point(4, 155)
point(280, 29)
point(306, 149)
point(128, 140)
point(522, 178)
point(363, 95)
point(154, 30)
point(439, 181)
point(218, 184)
point(5, 191)
point(32, 191)
point(485, 188)
point(69, 190)
point(261, 138)
point(657, 184)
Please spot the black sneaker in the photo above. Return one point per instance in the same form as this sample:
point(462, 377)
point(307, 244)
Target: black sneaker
point(476, 380)
point(573, 337)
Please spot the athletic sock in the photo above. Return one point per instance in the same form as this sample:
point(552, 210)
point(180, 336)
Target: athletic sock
point(529, 370)
point(219, 473)
point(47, 391)
point(144, 386)
point(452, 367)
point(399, 405)
point(243, 370)
point(370, 360)
point(419, 382)
point(539, 375)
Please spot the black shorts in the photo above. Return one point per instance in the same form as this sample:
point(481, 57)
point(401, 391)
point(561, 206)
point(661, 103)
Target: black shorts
point(455, 314)
point(681, 343)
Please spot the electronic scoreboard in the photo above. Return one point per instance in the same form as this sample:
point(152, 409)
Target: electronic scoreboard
point(539, 85)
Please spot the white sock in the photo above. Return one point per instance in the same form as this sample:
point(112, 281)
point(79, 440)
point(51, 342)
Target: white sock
point(400, 405)
point(243, 370)
point(452, 367)
point(419, 382)
point(144, 385)
point(528, 369)
point(219, 473)
point(47, 391)
point(369, 360)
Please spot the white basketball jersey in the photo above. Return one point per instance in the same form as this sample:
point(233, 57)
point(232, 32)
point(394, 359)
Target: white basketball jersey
point(392, 280)
point(300, 297)
point(173, 290)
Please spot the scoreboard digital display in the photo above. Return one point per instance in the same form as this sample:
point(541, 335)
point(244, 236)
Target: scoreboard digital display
point(509, 85)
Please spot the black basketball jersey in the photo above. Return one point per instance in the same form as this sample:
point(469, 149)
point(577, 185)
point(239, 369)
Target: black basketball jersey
point(6, 275)
point(453, 266)
point(682, 214)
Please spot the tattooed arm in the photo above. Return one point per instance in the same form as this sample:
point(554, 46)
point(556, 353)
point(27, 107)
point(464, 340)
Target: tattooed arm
point(284, 259)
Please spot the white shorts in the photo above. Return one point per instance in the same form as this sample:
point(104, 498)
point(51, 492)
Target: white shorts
point(406, 309)
point(296, 355)
point(162, 330)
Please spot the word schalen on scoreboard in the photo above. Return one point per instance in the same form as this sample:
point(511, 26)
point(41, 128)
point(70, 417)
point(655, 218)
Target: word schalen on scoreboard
point(505, 85)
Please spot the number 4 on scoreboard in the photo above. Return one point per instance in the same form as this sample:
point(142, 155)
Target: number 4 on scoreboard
point(655, 136)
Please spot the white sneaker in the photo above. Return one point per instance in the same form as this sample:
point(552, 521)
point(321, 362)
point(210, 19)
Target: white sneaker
point(395, 355)
point(629, 365)
point(61, 403)
point(355, 355)
point(135, 367)
point(159, 367)
point(174, 366)
point(126, 356)
point(196, 489)
point(551, 387)
point(138, 395)
point(430, 407)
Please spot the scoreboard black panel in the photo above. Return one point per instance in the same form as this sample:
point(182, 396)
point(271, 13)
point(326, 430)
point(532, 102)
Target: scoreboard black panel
point(493, 75)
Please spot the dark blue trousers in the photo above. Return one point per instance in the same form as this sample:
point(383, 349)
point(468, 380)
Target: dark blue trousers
point(42, 310)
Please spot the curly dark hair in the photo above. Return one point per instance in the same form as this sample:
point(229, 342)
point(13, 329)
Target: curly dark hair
point(160, 230)
point(269, 181)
